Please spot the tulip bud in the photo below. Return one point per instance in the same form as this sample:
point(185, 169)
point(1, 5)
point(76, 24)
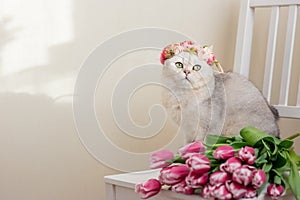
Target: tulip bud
point(251, 193)
point(275, 191)
point(224, 152)
point(159, 159)
point(259, 177)
point(231, 165)
point(238, 191)
point(243, 175)
point(189, 149)
point(195, 180)
point(206, 191)
point(219, 178)
point(247, 154)
point(148, 189)
point(221, 193)
point(182, 187)
point(173, 174)
point(198, 163)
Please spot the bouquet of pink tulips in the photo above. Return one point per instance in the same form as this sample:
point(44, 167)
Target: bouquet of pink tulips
point(228, 167)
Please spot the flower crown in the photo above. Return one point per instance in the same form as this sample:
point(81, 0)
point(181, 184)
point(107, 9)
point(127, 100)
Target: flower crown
point(204, 52)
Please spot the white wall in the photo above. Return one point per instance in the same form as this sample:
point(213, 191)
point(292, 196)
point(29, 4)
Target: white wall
point(42, 46)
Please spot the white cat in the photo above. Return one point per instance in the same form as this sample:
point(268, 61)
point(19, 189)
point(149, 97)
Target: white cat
point(203, 101)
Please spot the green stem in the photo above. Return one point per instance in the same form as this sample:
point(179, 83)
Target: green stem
point(293, 136)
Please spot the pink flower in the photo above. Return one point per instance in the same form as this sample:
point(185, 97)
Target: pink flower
point(207, 54)
point(182, 187)
point(173, 174)
point(189, 149)
point(259, 177)
point(187, 44)
point(148, 189)
point(163, 56)
point(224, 152)
point(221, 193)
point(238, 191)
point(211, 58)
point(218, 178)
point(198, 163)
point(206, 191)
point(196, 180)
point(159, 159)
point(231, 165)
point(243, 175)
point(251, 193)
point(247, 154)
point(275, 191)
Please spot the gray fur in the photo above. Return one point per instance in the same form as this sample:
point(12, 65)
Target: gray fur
point(209, 102)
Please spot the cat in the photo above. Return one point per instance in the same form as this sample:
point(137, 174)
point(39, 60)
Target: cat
point(202, 101)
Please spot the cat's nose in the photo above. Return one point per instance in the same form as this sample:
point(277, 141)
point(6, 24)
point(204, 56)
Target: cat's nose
point(186, 71)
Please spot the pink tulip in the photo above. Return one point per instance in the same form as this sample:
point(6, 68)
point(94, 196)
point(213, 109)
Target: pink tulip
point(159, 159)
point(195, 180)
point(275, 191)
point(231, 165)
point(224, 152)
point(182, 187)
point(259, 177)
point(218, 178)
point(243, 175)
point(238, 191)
point(198, 163)
point(206, 191)
point(251, 193)
point(247, 154)
point(148, 189)
point(173, 174)
point(189, 149)
point(221, 193)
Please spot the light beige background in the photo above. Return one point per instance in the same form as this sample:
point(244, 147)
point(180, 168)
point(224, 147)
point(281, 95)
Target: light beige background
point(42, 45)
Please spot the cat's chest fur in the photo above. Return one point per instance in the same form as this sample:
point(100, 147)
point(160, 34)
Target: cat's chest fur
point(230, 104)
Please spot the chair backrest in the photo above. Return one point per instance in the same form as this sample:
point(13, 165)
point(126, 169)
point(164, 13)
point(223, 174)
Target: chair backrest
point(244, 44)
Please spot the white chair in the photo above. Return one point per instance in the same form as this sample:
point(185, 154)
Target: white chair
point(244, 43)
point(121, 186)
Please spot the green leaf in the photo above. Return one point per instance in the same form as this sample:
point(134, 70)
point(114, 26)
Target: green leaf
point(212, 139)
point(238, 145)
point(294, 180)
point(259, 190)
point(294, 157)
point(262, 159)
point(277, 180)
point(267, 167)
point(176, 159)
point(272, 146)
point(280, 160)
point(286, 144)
point(198, 191)
point(252, 135)
point(293, 136)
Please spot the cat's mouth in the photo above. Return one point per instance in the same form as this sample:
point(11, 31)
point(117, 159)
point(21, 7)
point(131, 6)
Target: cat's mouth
point(189, 81)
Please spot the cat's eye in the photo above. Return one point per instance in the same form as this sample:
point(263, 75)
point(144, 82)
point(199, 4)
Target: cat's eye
point(196, 67)
point(179, 65)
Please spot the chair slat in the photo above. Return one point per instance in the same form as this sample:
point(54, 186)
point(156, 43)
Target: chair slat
point(298, 97)
point(266, 3)
point(288, 55)
point(244, 39)
point(288, 111)
point(270, 55)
